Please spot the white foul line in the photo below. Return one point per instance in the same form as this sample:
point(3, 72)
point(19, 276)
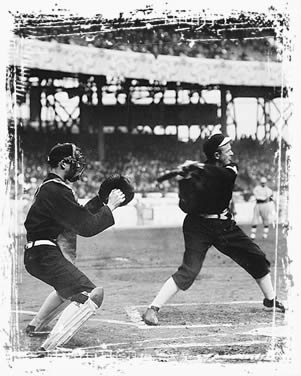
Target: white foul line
point(24, 312)
point(208, 303)
point(115, 322)
point(101, 320)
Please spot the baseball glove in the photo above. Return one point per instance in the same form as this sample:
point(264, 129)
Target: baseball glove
point(116, 181)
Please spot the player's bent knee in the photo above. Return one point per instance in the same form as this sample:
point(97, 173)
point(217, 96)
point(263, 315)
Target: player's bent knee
point(183, 284)
point(62, 298)
point(81, 297)
point(97, 295)
point(262, 277)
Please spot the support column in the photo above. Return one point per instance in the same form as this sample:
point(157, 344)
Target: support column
point(99, 123)
point(100, 142)
point(261, 117)
point(223, 110)
point(83, 112)
point(267, 119)
point(35, 104)
point(234, 119)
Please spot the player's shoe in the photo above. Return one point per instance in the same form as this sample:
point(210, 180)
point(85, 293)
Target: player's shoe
point(31, 332)
point(269, 305)
point(41, 353)
point(150, 316)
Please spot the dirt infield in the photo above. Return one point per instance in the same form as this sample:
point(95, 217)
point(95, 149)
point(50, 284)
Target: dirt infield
point(220, 318)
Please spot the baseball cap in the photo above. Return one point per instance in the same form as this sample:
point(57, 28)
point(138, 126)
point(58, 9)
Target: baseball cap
point(59, 152)
point(214, 142)
point(263, 180)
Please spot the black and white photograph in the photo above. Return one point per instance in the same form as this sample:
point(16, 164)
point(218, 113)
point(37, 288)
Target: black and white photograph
point(149, 161)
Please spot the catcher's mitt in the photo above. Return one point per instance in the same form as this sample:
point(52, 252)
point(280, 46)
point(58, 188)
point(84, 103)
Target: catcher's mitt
point(116, 181)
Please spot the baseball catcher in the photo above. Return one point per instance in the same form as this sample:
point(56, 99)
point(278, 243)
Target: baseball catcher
point(54, 219)
point(205, 191)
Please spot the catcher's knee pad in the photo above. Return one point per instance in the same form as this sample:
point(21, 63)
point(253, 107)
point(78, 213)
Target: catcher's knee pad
point(96, 295)
point(81, 297)
point(52, 315)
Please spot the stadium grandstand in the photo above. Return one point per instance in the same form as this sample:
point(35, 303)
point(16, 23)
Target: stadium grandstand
point(141, 93)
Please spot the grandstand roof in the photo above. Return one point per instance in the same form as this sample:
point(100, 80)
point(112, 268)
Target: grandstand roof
point(53, 56)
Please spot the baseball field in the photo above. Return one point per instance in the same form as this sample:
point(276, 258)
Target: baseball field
point(219, 319)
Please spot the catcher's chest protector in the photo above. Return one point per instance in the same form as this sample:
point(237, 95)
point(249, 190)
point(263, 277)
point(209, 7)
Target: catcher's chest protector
point(206, 191)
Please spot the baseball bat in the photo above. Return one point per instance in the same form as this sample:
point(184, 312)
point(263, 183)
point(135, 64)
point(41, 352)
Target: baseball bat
point(181, 171)
point(169, 175)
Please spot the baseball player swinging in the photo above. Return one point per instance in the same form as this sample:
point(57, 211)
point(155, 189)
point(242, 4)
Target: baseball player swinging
point(263, 209)
point(54, 211)
point(205, 191)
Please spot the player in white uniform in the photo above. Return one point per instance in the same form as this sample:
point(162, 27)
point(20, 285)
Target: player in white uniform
point(264, 208)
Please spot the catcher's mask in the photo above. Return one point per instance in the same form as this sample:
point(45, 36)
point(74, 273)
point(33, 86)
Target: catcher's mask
point(71, 154)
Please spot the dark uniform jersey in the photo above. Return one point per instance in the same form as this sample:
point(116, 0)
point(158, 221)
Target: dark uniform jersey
point(56, 209)
point(207, 190)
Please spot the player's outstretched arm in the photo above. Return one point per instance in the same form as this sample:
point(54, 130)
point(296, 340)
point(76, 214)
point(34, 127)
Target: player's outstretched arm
point(94, 205)
point(65, 209)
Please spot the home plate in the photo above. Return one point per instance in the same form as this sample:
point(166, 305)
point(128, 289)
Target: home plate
point(279, 331)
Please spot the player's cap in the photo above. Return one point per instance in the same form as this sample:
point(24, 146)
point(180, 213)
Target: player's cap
point(214, 142)
point(59, 152)
point(263, 180)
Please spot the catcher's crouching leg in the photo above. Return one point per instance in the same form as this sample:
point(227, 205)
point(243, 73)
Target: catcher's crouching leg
point(51, 316)
point(73, 318)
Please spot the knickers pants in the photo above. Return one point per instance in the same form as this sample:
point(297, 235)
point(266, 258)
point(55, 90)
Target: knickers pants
point(47, 263)
point(200, 234)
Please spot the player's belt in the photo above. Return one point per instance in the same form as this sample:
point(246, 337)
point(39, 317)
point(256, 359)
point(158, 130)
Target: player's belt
point(224, 216)
point(262, 201)
point(35, 243)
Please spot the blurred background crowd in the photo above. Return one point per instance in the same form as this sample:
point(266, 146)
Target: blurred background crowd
point(143, 158)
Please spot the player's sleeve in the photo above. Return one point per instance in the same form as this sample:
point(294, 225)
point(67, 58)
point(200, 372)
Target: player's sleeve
point(229, 172)
point(94, 204)
point(71, 215)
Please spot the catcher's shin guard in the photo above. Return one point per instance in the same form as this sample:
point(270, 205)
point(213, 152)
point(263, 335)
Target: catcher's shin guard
point(72, 319)
point(52, 315)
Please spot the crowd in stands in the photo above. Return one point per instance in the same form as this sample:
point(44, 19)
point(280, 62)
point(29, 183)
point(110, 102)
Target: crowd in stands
point(144, 157)
point(240, 38)
point(162, 42)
